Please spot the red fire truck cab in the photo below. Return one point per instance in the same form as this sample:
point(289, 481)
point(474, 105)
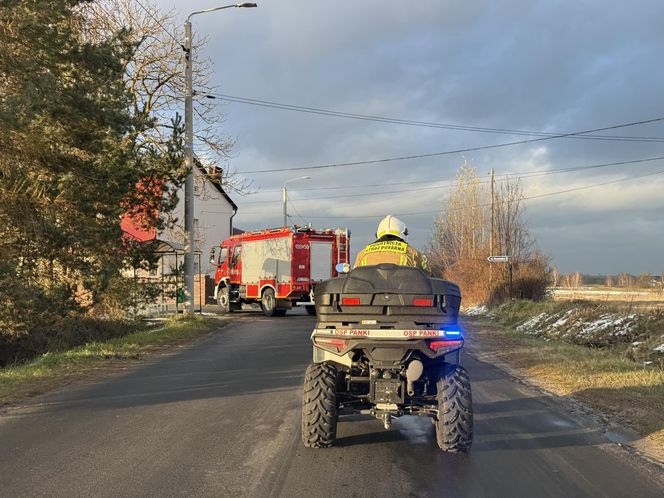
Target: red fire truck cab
point(278, 268)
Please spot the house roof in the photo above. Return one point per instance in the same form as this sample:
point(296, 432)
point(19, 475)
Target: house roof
point(215, 181)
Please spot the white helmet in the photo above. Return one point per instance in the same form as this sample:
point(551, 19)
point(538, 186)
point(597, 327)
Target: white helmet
point(391, 225)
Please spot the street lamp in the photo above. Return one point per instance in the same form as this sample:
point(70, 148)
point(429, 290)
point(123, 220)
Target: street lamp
point(284, 199)
point(189, 158)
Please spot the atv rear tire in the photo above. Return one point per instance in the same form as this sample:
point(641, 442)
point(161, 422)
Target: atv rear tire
point(454, 425)
point(224, 300)
point(268, 302)
point(311, 310)
point(319, 406)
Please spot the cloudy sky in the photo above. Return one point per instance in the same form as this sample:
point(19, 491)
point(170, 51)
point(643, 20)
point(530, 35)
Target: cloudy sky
point(547, 66)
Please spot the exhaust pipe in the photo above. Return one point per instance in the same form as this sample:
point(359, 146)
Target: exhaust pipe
point(413, 372)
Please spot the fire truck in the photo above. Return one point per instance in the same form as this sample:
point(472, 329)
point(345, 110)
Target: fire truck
point(277, 268)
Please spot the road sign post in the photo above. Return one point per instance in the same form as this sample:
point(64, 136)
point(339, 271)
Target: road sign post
point(508, 260)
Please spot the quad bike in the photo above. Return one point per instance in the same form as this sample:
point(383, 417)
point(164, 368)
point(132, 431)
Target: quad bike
point(387, 344)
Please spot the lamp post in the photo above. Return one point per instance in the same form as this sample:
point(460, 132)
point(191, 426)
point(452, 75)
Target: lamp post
point(284, 199)
point(189, 158)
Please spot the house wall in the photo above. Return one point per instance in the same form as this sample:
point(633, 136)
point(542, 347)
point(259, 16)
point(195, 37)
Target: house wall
point(212, 220)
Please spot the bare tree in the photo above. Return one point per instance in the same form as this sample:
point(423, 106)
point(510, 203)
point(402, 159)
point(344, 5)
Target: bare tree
point(568, 280)
point(512, 234)
point(555, 276)
point(155, 78)
point(625, 280)
point(460, 229)
point(461, 238)
point(609, 281)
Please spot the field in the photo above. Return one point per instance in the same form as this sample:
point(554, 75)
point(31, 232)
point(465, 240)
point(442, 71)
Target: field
point(639, 297)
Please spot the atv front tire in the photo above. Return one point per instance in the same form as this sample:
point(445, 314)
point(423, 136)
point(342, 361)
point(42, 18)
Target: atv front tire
point(454, 425)
point(319, 406)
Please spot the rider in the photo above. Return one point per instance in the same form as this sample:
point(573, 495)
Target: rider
point(391, 247)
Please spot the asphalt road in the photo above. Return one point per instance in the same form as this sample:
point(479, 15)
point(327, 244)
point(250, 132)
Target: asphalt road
point(221, 418)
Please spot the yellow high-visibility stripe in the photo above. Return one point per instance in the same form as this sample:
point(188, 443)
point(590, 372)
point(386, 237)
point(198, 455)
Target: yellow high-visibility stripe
point(387, 246)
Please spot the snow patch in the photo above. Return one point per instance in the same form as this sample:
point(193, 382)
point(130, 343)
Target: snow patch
point(477, 310)
point(530, 325)
point(562, 320)
point(602, 329)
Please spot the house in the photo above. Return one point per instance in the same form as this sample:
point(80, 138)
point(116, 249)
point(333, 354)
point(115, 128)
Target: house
point(213, 222)
point(213, 216)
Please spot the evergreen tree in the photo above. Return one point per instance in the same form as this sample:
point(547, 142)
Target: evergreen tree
point(71, 161)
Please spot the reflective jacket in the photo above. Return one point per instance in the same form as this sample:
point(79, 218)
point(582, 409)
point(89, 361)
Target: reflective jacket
point(391, 251)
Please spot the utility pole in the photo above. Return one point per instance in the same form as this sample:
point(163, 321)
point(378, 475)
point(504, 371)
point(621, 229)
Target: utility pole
point(189, 236)
point(284, 196)
point(189, 179)
point(492, 228)
point(284, 202)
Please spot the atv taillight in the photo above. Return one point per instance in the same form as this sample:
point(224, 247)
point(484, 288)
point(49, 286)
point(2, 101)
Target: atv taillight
point(350, 301)
point(339, 344)
point(445, 343)
point(422, 302)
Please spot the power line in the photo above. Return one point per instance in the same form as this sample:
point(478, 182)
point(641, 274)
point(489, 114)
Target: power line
point(292, 205)
point(427, 124)
point(455, 151)
point(538, 196)
point(504, 176)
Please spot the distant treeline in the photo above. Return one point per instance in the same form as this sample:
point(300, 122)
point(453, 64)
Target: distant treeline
point(620, 280)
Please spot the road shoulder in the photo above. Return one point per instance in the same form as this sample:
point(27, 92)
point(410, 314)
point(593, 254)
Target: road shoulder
point(93, 362)
point(543, 367)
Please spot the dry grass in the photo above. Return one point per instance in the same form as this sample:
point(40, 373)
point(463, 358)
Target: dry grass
point(53, 370)
point(635, 297)
point(600, 378)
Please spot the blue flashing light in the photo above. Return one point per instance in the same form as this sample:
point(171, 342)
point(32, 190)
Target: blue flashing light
point(453, 333)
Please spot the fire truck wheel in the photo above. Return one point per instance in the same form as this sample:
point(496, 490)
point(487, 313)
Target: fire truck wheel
point(311, 310)
point(269, 302)
point(280, 312)
point(223, 298)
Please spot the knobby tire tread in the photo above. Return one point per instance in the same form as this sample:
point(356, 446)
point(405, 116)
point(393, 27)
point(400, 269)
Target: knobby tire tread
point(319, 406)
point(454, 426)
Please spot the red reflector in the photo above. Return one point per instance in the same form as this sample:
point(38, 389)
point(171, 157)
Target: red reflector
point(350, 301)
point(436, 345)
point(422, 302)
point(340, 344)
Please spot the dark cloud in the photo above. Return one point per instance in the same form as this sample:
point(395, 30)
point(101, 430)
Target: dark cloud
point(548, 66)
